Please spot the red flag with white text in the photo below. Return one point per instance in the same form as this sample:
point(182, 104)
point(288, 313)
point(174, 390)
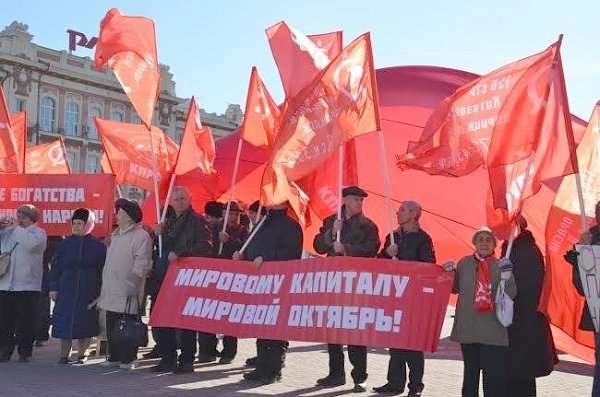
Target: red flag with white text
point(457, 137)
point(48, 158)
point(128, 45)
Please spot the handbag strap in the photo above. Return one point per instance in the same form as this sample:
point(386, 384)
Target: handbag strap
point(13, 248)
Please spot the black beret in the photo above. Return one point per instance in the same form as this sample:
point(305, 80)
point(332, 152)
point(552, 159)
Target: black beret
point(133, 210)
point(354, 191)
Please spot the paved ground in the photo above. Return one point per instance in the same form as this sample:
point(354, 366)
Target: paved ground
point(306, 362)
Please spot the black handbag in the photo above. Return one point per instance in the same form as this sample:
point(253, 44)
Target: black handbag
point(130, 330)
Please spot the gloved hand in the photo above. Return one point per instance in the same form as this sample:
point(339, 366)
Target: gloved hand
point(506, 268)
point(449, 266)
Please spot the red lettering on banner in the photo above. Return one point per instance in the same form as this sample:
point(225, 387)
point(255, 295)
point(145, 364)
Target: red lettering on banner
point(325, 300)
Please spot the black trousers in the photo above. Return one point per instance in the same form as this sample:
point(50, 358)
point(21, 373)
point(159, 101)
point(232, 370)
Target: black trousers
point(17, 322)
point(271, 355)
point(489, 359)
point(168, 342)
point(118, 352)
point(207, 345)
point(42, 318)
point(396, 375)
point(358, 359)
point(522, 388)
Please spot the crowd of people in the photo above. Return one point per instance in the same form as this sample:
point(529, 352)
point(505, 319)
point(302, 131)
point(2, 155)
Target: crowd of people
point(97, 284)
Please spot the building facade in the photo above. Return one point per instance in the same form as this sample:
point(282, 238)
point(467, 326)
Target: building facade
point(61, 94)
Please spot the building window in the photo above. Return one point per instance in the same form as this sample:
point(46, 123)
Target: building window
point(116, 116)
point(135, 119)
point(72, 119)
point(93, 164)
point(73, 158)
point(92, 132)
point(20, 105)
point(47, 116)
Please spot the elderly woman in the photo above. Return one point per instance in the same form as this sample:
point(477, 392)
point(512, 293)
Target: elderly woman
point(22, 283)
point(483, 339)
point(75, 279)
point(128, 261)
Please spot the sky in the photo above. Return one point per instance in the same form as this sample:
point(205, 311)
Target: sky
point(211, 46)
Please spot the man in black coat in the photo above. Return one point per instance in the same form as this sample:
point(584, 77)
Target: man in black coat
point(589, 237)
point(531, 351)
point(358, 237)
point(185, 234)
point(232, 239)
point(411, 243)
point(279, 238)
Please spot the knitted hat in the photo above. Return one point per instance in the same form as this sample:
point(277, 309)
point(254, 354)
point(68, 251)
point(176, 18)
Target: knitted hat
point(484, 230)
point(133, 210)
point(29, 211)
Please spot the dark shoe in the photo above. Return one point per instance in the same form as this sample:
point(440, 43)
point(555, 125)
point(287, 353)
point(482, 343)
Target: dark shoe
point(163, 367)
point(24, 359)
point(251, 362)
point(184, 368)
point(388, 389)
point(359, 388)
point(267, 380)
point(331, 381)
point(225, 360)
point(205, 358)
point(151, 355)
point(63, 360)
point(414, 394)
point(254, 375)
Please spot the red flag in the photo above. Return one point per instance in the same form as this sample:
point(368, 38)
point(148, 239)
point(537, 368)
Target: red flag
point(551, 149)
point(10, 161)
point(559, 299)
point(128, 46)
point(299, 58)
point(19, 126)
point(261, 114)
point(340, 105)
point(48, 158)
point(127, 147)
point(456, 138)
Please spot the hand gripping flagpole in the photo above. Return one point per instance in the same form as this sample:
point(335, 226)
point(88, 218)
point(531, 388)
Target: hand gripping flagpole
point(231, 189)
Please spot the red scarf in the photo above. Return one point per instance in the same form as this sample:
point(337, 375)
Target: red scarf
point(483, 286)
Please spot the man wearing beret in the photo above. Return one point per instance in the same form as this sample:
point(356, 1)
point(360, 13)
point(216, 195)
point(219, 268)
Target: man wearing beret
point(359, 237)
point(20, 286)
point(185, 233)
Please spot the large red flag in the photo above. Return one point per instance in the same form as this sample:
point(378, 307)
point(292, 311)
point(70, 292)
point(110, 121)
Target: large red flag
point(48, 158)
point(551, 148)
point(10, 161)
point(19, 126)
point(127, 147)
point(299, 58)
point(261, 114)
point(456, 139)
point(559, 298)
point(128, 46)
point(338, 106)
point(197, 149)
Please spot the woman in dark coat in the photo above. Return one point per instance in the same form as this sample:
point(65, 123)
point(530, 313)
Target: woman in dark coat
point(531, 347)
point(75, 278)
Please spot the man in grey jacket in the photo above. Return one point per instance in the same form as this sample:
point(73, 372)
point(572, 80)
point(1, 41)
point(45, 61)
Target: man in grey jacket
point(21, 285)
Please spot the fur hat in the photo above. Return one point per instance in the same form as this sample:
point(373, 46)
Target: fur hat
point(133, 210)
point(214, 208)
point(29, 211)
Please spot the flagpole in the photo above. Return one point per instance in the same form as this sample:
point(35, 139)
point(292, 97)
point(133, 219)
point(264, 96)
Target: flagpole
point(386, 179)
point(257, 219)
point(254, 231)
point(119, 192)
point(231, 189)
point(164, 212)
point(155, 181)
point(340, 177)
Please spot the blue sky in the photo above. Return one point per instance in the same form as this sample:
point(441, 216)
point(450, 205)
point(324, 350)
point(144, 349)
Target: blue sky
point(211, 46)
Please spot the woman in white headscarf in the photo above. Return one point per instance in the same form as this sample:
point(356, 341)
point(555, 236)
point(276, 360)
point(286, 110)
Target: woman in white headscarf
point(75, 280)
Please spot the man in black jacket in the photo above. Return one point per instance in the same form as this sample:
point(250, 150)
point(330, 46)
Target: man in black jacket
point(411, 243)
point(358, 237)
point(279, 238)
point(232, 239)
point(185, 234)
